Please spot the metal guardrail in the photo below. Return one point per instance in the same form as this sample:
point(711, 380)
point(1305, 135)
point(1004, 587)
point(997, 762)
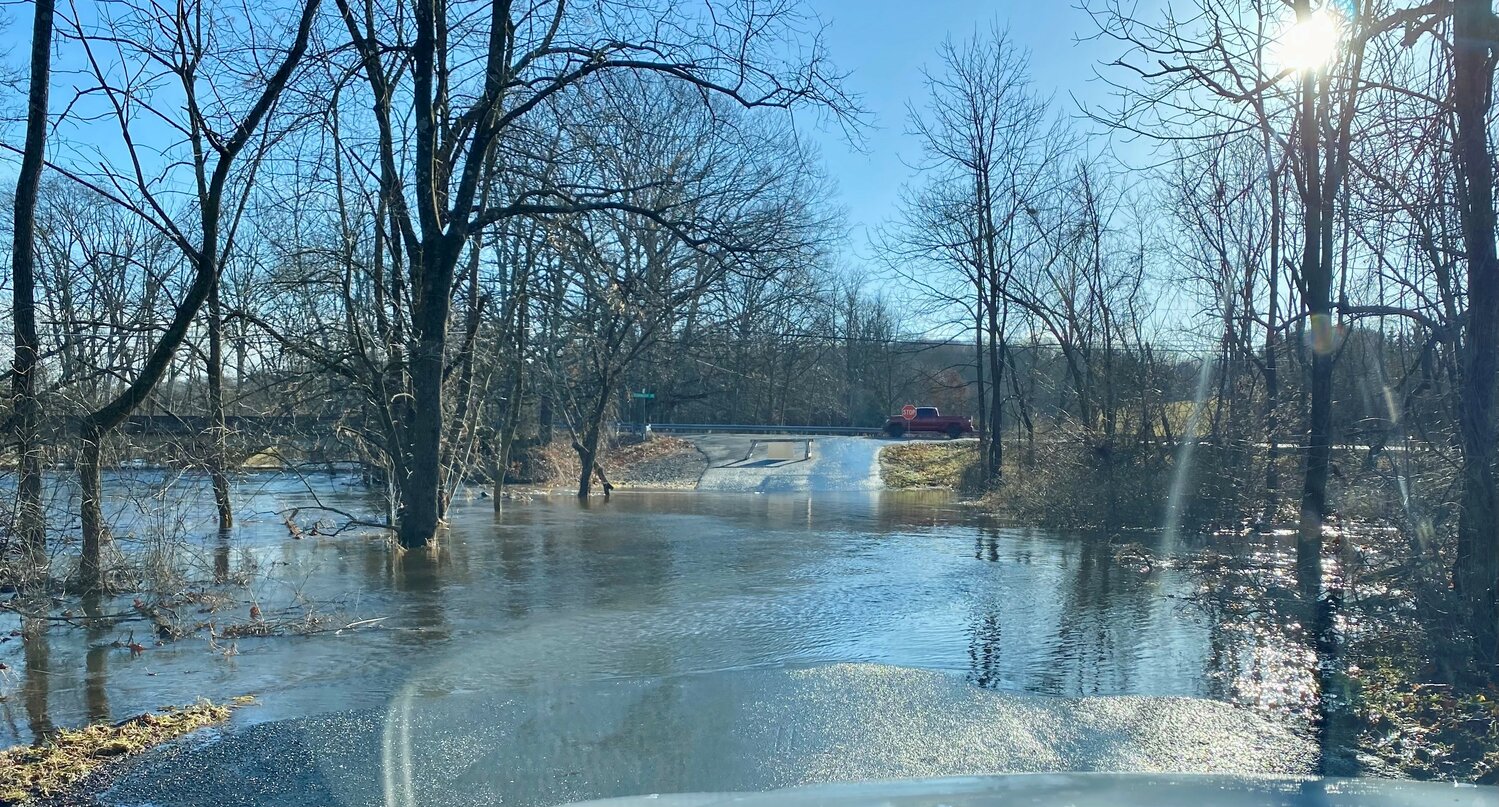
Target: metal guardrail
point(746, 428)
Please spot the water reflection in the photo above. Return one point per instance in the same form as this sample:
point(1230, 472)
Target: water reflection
point(96, 661)
point(1093, 630)
point(553, 591)
point(419, 575)
point(37, 689)
point(983, 652)
point(221, 558)
point(96, 680)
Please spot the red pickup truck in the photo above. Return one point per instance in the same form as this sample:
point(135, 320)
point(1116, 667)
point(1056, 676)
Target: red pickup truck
point(928, 419)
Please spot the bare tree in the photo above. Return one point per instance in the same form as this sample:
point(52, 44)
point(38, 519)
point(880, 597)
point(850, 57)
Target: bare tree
point(1211, 75)
point(988, 147)
point(740, 198)
point(1230, 210)
point(1475, 30)
point(30, 523)
point(474, 78)
point(215, 137)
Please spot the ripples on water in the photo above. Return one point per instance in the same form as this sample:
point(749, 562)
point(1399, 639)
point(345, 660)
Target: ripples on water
point(649, 584)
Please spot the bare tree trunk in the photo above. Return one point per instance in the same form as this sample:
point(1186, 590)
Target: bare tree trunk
point(850, 314)
point(1075, 364)
point(1318, 283)
point(994, 448)
point(1272, 365)
point(507, 431)
point(1022, 404)
point(1272, 421)
point(431, 280)
point(546, 407)
point(95, 533)
point(30, 526)
point(515, 392)
point(986, 434)
point(588, 447)
point(1318, 462)
point(421, 490)
point(1477, 566)
point(465, 420)
point(218, 432)
point(1225, 356)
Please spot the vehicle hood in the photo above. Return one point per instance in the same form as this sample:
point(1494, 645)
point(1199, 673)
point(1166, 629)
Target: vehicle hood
point(1094, 790)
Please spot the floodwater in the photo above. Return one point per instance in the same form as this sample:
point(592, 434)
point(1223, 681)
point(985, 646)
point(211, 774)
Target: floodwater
point(761, 593)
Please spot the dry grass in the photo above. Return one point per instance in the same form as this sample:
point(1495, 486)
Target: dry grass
point(660, 462)
point(29, 772)
point(930, 464)
point(554, 464)
point(270, 458)
point(635, 451)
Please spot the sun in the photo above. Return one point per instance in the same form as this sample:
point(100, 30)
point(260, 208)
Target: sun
point(1309, 44)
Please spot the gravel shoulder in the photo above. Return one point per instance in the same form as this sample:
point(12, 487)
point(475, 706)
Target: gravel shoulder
point(657, 463)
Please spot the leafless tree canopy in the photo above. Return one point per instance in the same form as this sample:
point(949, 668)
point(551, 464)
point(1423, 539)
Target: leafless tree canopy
point(437, 235)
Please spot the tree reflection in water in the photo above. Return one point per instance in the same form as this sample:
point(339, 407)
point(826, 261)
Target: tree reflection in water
point(37, 689)
point(96, 660)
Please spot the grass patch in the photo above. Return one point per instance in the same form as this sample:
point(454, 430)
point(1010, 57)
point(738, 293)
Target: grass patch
point(29, 772)
point(930, 464)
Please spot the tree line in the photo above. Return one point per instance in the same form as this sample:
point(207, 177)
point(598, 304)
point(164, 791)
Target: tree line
point(401, 206)
point(461, 228)
point(1320, 219)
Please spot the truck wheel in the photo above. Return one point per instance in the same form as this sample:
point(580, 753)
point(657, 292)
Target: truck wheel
point(954, 431)
point(895, 431)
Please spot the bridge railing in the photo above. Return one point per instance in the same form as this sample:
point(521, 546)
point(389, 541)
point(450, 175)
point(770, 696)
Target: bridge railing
point(746, 428)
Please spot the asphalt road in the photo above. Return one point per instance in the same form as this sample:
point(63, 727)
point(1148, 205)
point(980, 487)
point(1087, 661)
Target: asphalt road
point(740, 730)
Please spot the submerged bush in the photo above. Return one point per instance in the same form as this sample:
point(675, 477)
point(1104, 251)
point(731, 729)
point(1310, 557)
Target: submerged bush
point(1090, 484)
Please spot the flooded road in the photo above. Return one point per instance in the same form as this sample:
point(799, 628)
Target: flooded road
point(742, 463)
point(646, 626)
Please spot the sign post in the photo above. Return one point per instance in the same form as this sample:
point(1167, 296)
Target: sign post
point(642, 399)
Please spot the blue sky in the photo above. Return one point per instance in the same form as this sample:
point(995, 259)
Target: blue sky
point(884, 44)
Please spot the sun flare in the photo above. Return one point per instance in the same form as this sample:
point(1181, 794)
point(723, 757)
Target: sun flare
point(1311, 43)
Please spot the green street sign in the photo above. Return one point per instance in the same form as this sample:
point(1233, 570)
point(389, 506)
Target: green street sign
point(644, 396)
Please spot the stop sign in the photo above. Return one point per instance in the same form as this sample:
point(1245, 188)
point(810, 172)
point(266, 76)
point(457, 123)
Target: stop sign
point(908, 412)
